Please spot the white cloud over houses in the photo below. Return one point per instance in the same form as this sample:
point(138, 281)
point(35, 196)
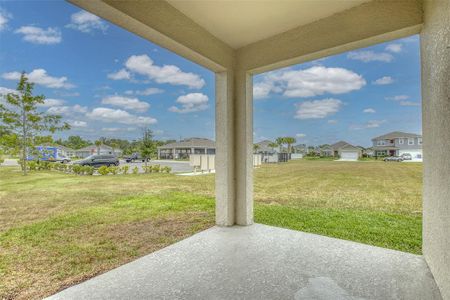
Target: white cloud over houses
point(314, 81)
point(86, 22)
point(4, 18)
point(368, 56)
point(317, 109)
point(37, 35)
point(300, 135)
point(368, 125)
point(51, 102)
point(369, 111)
point(409, 103)
point(192, 102)
point(119, 75)
point(395, 48)
point(40, 77)
point(110, 115)
point(383, 80)
point(170, 74)
point(126, 103)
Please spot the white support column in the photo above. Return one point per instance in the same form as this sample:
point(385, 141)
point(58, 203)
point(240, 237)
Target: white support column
point(225, 178)
point(435, 54)
point(234, 150)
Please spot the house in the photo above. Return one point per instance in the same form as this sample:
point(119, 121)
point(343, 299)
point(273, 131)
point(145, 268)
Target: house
point(397, 143)
point(93, 149)
point(182, 149)
point(264, 148)
point(300, 148)
point(346, 151)
point(66, 151)
point(324, 151)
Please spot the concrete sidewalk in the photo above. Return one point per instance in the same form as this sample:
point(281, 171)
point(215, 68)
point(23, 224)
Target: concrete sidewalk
point(264, 262)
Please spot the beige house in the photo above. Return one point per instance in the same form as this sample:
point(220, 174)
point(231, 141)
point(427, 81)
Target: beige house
point(237, 40)
point(183, 148)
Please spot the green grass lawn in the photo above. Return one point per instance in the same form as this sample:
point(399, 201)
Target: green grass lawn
point(58, 229)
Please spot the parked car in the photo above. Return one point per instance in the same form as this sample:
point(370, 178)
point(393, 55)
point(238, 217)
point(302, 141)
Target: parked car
point(406, 156)
point(135, 157)
point(98, 161)
point(393, 158)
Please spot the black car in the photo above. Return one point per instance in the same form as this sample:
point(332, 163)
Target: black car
point(98, 161)
point(135, 157)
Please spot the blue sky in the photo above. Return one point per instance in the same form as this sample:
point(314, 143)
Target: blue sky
point(108, 82)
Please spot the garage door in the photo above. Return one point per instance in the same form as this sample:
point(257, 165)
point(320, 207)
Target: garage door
point(349, 155)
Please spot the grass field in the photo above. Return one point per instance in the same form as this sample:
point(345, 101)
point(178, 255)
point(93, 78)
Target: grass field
point(58, 229)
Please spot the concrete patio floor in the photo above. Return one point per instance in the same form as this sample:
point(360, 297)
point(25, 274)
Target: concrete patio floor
point(264, 262)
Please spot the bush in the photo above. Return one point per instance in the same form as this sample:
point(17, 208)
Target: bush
point(69, 168)
point(103, 170)
point(147, 169)
point(32, 165)
point(113, 170)
point(77, 169)
point(88, 170)
point(124, 169)
point(135, 170)
point(166, 169)
point(2, 160)
point(156, 168)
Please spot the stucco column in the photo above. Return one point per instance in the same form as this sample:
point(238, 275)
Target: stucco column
point(435, 54)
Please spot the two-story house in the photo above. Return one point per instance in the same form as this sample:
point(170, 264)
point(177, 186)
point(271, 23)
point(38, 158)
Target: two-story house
point(397, 143)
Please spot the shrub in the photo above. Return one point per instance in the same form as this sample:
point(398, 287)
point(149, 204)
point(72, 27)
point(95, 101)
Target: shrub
point(147, 169)
point(32, 165)
point(77, 169)
point(124, 169)
point(166, 169)
point(69, 168)
point(135, 170)
point(156, 168)
point(103, 170)
point(88, 170)
point(113, 170)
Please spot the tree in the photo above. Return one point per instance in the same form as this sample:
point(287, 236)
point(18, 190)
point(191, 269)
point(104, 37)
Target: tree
point(20, 117)
point(289, 141)
point(273, 145)
point(148, 145)
point(98, 143)
point(74, 142)
point(255, 148)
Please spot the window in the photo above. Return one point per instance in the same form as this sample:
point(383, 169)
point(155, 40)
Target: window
point(400, 141)
point(381, 143)
point(419, 141)
point(410, 141)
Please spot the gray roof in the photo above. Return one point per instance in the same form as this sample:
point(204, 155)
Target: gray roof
point(339, 145)
point(90, 147)
point(191, 143)
point(350, 147)
point(396, 134)
point(264, 146)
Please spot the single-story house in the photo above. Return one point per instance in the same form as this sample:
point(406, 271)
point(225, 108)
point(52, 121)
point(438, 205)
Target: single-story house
point(264, 148)
point(93, 149)
point(182, 149)
point(66, 151)
point(346, 151)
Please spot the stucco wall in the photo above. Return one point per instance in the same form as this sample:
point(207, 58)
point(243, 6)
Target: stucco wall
point(435, 51)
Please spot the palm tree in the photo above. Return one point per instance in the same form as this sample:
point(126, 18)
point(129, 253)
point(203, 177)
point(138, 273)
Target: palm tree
point(273, 145)
point(255, 148)
point(98, 143)
point(289, 141)
point(280, 142)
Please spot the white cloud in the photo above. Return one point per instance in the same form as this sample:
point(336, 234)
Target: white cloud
point(368, 56)
point(126, 103)
point(51, 102)
point(67, 110)
point(409, 103)
point(310, 82)
point(120, 75)
point(4, 18)
point(383, 80)
point(117, 129)
point(104, 114)
point(191, 103)
point(143, 65)
point(5, 91)
point(317, 109)
point(78, 124)
point(369, 111)
point(368, 125)
point(395, 48)
point(149, 91)
point(300, 135)
point(37, 35)
point(398, 98)
point(332, 121)
point(86, 22)
point(40, 77)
